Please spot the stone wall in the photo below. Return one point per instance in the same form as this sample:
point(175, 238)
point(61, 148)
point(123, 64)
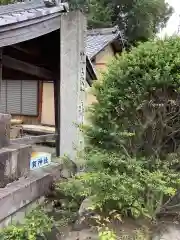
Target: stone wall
point(20, 188)
point(17, 199)
point(14, 158)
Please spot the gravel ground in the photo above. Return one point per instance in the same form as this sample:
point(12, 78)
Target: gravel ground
point(167, 231)
point(162, 231)
point(171, 232)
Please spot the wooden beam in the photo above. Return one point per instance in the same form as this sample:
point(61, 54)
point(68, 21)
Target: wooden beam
point(57, 104)
point(34, 139)
point(25, 67)
point(25, 30)
point(25, 51)
point(100, 64)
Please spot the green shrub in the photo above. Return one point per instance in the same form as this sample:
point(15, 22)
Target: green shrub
point(132, 155)
point(35, 227)
point(122, 183)
point(139, 94)
point(107, 234)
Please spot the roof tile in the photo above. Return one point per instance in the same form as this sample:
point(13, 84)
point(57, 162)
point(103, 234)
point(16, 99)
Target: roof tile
point(98, 39)
point(14, 13)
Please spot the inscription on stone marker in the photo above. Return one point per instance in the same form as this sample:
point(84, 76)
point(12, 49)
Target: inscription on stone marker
point(82, 87)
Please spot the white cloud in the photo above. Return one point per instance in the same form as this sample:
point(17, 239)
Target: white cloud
point(174, 21)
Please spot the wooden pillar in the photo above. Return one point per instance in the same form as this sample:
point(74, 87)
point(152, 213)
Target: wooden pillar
point(1, 53)
point(72, 68)
point(57, 105)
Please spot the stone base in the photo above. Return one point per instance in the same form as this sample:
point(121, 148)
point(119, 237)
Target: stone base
point(14, 163)
point(5, 121)
point(20, 197)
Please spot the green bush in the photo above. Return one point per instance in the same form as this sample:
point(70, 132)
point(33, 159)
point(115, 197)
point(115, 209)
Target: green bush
point(139, 94)
point(123, 183)
point(35, 227)
point(132, 154)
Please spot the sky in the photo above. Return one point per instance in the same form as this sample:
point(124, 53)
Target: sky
point(174, 21)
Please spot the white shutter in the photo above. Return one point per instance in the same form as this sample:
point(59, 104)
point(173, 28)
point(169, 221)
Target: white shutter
point(29, 97)
point(14, 96)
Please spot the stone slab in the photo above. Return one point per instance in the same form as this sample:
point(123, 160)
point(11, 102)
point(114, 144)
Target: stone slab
point(14, 163)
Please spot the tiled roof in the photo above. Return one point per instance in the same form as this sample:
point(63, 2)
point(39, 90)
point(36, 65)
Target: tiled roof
point(19, 12)
point(97, 39)
point(13, 14)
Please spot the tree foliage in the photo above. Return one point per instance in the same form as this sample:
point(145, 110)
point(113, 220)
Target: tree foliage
point(132, 156)
point(139, 94)
point(137, 19)
point(5, 2)
point(133, 137)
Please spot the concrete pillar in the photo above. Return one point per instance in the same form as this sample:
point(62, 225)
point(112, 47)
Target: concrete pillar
point(72, 78)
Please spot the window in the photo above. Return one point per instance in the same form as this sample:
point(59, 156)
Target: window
point(19, 97)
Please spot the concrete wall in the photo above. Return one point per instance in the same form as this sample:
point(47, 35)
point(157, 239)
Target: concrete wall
point(101, 61)
point(19, 216)
point(48, 115)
